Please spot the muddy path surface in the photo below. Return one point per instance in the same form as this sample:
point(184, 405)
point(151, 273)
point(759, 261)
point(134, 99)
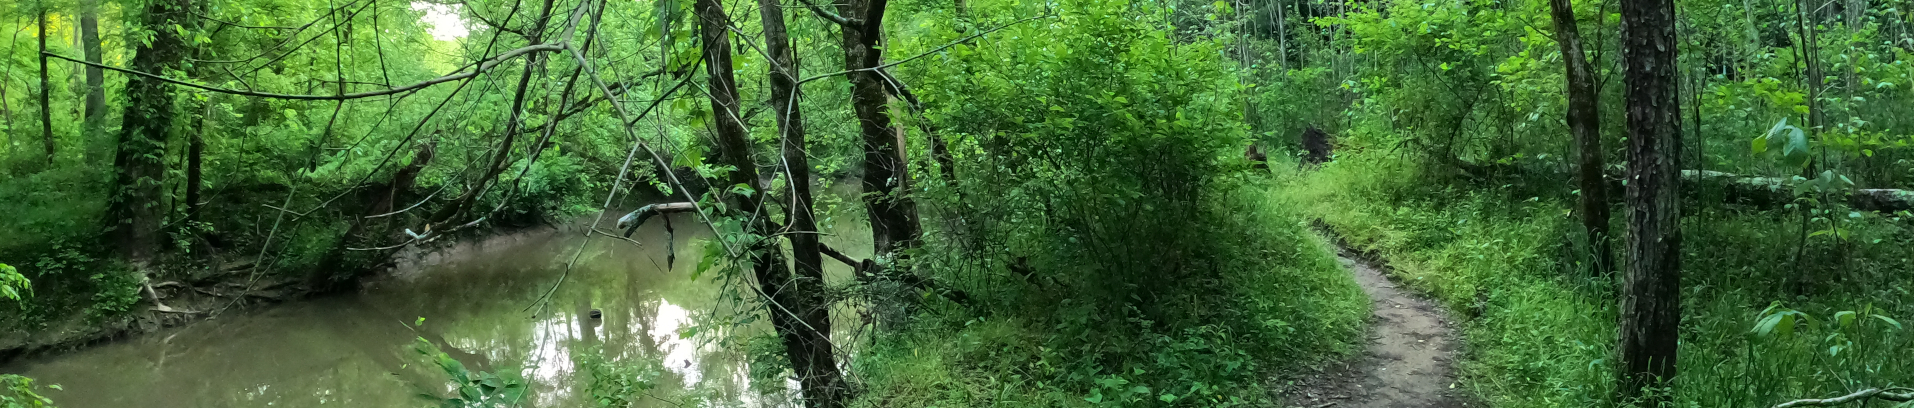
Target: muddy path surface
point(1409, 361)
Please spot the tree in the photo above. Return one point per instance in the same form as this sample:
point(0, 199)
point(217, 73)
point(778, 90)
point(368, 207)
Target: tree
point(894, 222)
point(133, 215)
point(95, 77)
point(798, 311)
point(1584, 122)
point(1651, 290)
point(46, 88)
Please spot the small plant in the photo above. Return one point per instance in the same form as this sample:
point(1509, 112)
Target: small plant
point(114, 294)
point(13, 286)
point(620, 384)
point(475, 389)
point(17, 391)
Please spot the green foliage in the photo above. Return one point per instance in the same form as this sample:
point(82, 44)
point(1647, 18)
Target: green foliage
point(13, 286)
point(17, 392)
point(472, 389)
point(115, 292)
point(620, 384)
point(1542, 330)
point(555, 186)
point(1102, 157)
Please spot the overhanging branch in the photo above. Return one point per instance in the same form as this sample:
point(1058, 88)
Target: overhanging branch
point(926, 53)
point(833, 17)
point(481, 68)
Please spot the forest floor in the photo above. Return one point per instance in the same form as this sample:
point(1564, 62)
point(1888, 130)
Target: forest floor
point(1409, 359)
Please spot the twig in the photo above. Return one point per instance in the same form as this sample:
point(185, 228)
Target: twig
point(1897, 394)
point(927, 53)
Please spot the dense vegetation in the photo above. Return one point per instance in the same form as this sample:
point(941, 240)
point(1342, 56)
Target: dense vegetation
point(1060, 206)
point(1046, 181)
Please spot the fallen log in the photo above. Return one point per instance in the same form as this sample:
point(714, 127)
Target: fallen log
point(1771, 192)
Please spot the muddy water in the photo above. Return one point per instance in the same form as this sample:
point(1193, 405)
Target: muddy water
point(358, 349)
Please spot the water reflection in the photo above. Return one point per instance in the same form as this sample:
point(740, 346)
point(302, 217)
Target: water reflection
point(357, 349)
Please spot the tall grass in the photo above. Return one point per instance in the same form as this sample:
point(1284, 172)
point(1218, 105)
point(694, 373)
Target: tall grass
point(1541, 331)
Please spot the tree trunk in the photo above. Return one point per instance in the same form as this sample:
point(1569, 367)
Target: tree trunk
point(1651, 291)
point(195, 150)
point(1811, 57)
point(95, 77)
point(133, 216)
point(894, 224)
point(46, 88)
point(798, 312)
point(1584, 122)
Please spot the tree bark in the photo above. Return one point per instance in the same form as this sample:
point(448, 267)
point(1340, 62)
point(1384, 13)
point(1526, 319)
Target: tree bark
point(46, 88)
point(894, 223)
point(798, 312)
point(1584, 122)
point(195, 150)
point(133, 217)
point(1651, 291)
point(818, 364)
point(95, 77)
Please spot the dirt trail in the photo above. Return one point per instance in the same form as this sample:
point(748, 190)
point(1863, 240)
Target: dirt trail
point(1408, 363)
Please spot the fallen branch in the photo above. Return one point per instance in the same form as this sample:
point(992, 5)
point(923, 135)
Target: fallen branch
point(1896, 394)
point(630, 222)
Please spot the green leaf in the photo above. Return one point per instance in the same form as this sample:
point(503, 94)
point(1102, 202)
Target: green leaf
point(1778, 126)
point(712, 251)
point(1844, 318)
point(1796, 151)
point(1759, 145)
point(1785, 326)
point(1890, 321)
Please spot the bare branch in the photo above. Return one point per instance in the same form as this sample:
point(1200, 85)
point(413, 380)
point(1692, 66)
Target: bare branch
point(833, 17)
point(926, 53)
point(482, 67)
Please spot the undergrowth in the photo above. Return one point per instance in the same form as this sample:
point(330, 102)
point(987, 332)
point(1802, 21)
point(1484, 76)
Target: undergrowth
point(1541, 329)
point(1278, 303)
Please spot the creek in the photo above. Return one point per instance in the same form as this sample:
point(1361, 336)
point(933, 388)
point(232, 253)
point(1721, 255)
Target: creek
point(478, 301)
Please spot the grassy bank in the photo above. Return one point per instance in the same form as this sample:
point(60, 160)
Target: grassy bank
point(1277, 302)
point(1541, 330)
